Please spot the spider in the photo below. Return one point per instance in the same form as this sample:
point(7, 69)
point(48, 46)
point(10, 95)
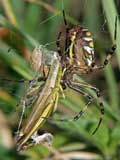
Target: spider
point(78, 58)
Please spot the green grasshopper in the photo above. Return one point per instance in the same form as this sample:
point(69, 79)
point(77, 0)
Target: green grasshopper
point(46, 102)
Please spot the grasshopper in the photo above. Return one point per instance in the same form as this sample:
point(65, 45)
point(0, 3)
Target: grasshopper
point(47, 99)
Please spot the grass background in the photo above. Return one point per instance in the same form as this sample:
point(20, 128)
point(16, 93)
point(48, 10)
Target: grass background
point(24, 24)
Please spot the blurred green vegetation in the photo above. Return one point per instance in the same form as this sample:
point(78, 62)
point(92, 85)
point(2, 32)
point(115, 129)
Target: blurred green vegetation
point(24, 24)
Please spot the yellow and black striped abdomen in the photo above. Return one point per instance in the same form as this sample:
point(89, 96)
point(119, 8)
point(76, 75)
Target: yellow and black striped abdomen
point(81, 48)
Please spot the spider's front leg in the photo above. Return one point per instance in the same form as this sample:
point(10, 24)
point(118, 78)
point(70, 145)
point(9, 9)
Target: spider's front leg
point(74, 85)
point(111, 52)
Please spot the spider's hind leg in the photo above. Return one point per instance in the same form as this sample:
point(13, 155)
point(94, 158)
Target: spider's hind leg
point(85, 85)
point(83, 93)
point(111, 52)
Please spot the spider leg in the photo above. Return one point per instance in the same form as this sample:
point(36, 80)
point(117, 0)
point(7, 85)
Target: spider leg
point(58, 44)
point(59, 36)
point(89, 97)
point(111, 52)
point(99, 100)
point(24, 81)
point(67, 30)
point(15, 81)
